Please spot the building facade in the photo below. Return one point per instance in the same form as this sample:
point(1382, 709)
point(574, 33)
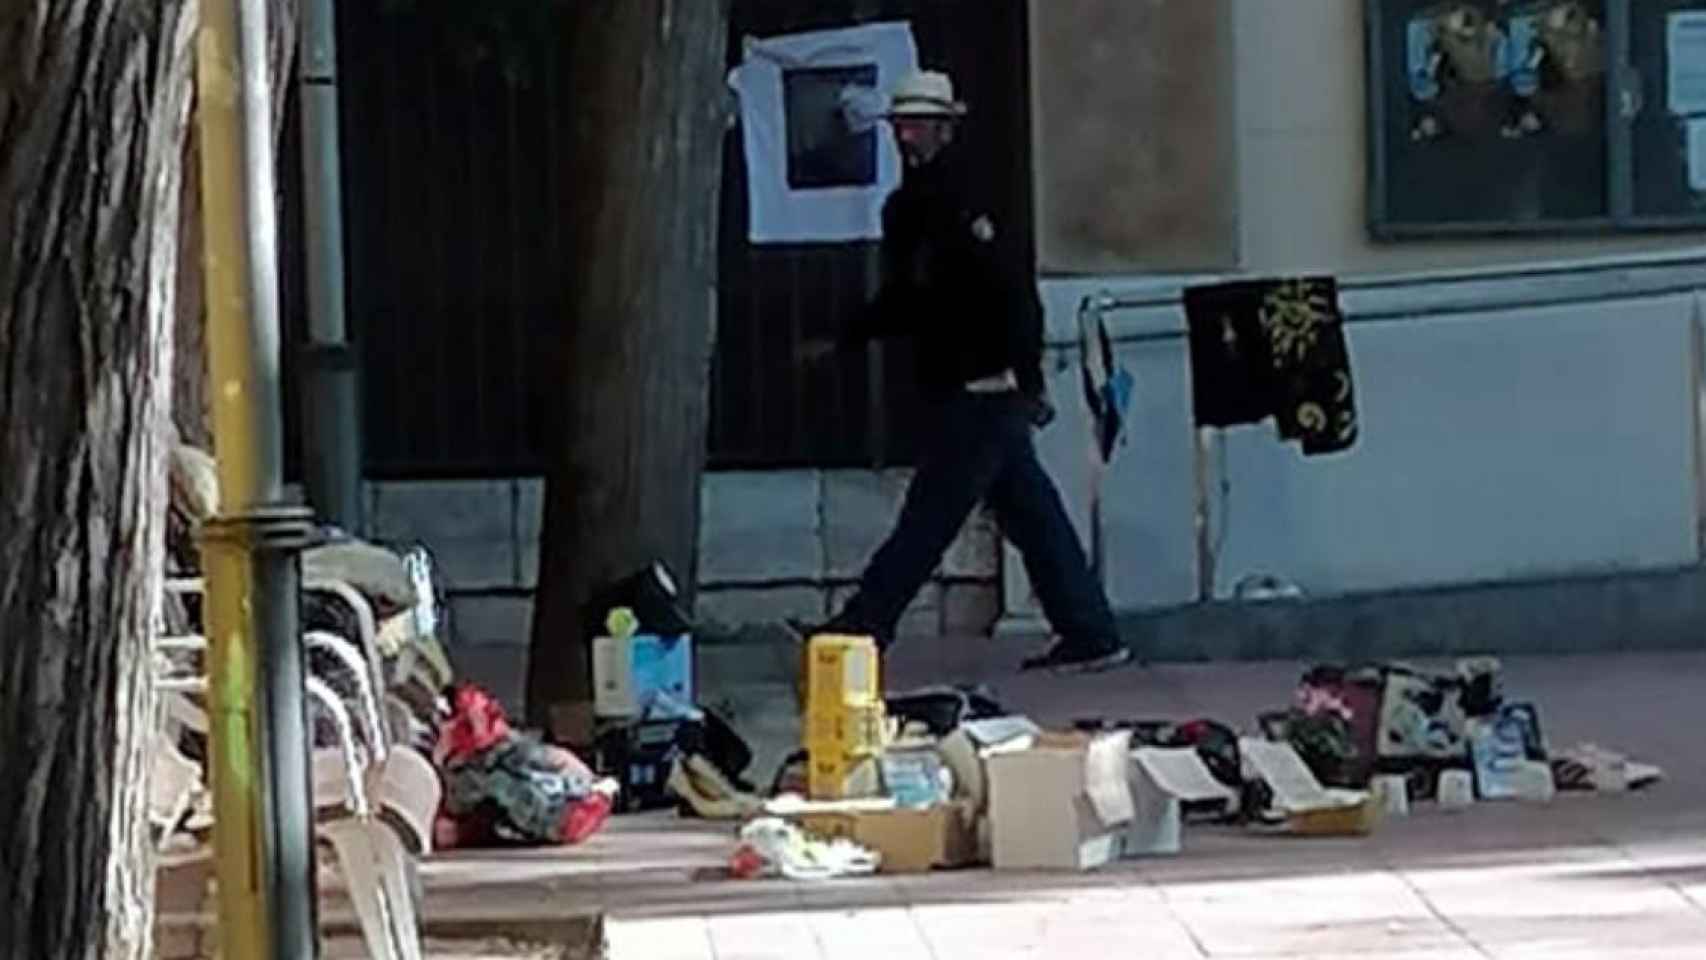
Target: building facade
point(1525, 331)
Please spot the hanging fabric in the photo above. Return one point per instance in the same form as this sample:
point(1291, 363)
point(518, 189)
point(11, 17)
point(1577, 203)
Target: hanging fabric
point(1273, 348)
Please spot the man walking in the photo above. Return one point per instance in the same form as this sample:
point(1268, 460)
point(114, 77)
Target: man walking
point(953, 282)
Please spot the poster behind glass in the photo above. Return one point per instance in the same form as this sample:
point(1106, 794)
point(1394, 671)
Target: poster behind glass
point(1668, 46)
point(1492, 112)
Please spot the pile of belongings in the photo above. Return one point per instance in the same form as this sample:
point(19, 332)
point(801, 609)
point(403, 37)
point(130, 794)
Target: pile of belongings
point(1353, 725)
point(502, 787)
point(692, 762)
point(648, 733)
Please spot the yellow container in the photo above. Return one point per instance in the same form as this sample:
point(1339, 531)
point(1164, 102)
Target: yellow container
point(833, 777)
point(841, 671)
point(849, 731)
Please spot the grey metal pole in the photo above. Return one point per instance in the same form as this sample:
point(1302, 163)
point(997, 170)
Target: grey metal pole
point(331, 395)
point(263, 838)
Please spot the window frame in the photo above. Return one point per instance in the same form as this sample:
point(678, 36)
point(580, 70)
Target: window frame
point(1623, 85)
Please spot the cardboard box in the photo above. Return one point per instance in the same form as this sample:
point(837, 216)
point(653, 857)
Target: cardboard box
point(1161, 782)
point(960, 846)
point(966, 751)
point(909, 841)
point(629, 675)
point(842, 671)
point(850, 731)
point(1356, 818)
point(1061, 803)
point(840, 777)
point(1310, 809)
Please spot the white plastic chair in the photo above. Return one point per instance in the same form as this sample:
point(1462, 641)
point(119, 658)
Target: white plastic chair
point(356, 665)
point(363, 773)
point(404, 781)
point(370, 854)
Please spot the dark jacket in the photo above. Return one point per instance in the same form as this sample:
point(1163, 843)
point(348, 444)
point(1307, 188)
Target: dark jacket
point(956, 279)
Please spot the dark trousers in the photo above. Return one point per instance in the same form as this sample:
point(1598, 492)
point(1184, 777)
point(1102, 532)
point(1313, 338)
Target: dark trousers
point(982, 452)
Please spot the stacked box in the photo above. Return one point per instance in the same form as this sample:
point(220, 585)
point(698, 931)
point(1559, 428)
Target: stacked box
point(844, 717)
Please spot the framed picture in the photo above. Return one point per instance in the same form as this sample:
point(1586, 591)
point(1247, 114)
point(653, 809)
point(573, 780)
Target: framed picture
point(1534, 116)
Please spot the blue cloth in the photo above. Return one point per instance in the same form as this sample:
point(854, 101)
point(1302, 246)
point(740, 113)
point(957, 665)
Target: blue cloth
point(1107, 385)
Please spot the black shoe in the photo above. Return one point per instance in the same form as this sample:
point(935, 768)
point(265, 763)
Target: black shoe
point(1065, 657)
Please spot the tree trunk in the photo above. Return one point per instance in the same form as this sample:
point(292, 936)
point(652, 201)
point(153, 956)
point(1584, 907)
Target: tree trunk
point(192, 407)
point(649, 116)
point(94, 100)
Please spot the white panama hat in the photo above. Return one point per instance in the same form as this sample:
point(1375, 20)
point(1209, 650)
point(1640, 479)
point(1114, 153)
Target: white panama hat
point(925, 93)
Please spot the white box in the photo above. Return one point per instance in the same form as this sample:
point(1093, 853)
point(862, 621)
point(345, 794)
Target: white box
point(1161, 781)
point(1060, 804)
point(632, 674)
point(968, 748)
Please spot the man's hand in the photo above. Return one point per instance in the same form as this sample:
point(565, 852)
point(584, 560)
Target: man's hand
point(1041, 410)
point(813, 350)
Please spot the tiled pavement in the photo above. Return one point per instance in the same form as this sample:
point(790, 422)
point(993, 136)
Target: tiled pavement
point(1586, 877)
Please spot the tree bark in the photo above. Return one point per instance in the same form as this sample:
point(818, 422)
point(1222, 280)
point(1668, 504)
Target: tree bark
point(94, 101)
point(647, 78)
point(192, 406)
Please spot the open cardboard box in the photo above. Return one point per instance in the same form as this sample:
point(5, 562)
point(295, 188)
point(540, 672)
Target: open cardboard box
point(1061, 802)
point(966, 752)
point(908, 840)
point(1310, 809)
point(1162, 781)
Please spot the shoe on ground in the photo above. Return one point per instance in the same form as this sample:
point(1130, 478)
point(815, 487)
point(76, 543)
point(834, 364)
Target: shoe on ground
point(1066, 657)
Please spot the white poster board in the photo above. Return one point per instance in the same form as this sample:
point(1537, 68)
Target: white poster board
point(819, 162)
point(1696, 132)
point(1685, 50)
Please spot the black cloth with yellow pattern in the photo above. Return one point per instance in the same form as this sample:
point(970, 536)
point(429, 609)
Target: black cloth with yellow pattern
point(1273, 348)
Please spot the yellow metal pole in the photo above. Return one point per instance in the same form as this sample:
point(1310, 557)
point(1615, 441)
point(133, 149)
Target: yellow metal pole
point(262, 828)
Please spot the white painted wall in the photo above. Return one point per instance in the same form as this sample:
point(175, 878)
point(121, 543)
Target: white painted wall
point(1511, 442)
point(1495, 446)
point(1502, 438)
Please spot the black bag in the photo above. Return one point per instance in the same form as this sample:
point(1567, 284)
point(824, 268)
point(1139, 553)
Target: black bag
point(651, 594)
point(942, 709)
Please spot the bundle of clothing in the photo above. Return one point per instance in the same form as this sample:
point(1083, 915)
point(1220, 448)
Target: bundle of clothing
point(502, 788)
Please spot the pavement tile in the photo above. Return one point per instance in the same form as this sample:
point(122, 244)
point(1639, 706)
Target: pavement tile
point(1429, 953)
point(859, 935)
point(1054, 929)
point(686, 938)
point(1369, 911)
point(769, 936)
point(1631, 935)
